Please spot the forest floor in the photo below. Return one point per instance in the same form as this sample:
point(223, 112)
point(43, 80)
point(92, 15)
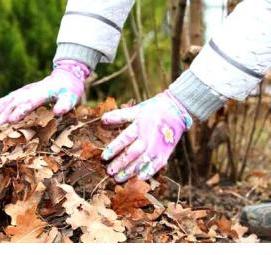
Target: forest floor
point(53, 188)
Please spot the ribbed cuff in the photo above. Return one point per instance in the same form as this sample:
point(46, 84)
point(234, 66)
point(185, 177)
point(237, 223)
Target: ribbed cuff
point(197, 97)
point(81, 53)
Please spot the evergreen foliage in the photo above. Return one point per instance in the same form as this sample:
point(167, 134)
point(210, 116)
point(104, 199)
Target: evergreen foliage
point(28, 30)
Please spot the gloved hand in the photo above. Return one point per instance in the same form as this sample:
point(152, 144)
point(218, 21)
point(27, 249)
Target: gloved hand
point(65, 85)
point(144, 147)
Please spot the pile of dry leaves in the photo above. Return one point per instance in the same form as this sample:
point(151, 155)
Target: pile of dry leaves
point(53, 188)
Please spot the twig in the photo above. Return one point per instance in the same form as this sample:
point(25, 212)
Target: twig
point(46, 152)
point(176, 38)
point(98, 185)
point(189, 170)
point(158, 49)
point(257, 111)
point(237, 195)
point(114, 75)
point(141, 48)
point(179, 189)
point(242, 126)
point(180, 226)
point(250, 191)
point(131, 70)
point(90, 121)
point(262, 127)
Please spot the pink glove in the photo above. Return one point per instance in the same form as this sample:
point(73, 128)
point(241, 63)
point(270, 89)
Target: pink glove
point(65, 85)
point(144, 147)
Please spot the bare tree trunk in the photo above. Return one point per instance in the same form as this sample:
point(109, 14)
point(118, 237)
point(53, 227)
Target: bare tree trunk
point(203, 132)
point(178, 13)
point(182, 158)
point(185, 45)
point(196, 23)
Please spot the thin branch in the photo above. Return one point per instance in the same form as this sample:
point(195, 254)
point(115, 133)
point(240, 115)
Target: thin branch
point(176, 38)
point(140, 45)
point(114, 75)
point(189, 167)
point(262, 127)
point(179, 189)
point(158, 49)
point(257, 111)
point(131, 70)
point(98, 185)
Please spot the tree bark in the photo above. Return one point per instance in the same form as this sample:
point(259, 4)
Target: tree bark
point(178, 14)
point(180, 166)
point(196, 23)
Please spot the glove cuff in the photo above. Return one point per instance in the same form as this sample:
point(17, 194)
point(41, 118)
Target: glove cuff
point(198, 98)
point(78, 69)
point(188, 121)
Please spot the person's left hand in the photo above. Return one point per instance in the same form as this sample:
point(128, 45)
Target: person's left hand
point(144, 147)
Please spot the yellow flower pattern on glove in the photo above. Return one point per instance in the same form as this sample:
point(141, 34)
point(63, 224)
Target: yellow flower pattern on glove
point(168, 134)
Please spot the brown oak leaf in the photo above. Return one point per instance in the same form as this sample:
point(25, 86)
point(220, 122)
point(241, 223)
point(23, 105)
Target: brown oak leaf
point(97, 222)
point(129, 199)
point(29, 228)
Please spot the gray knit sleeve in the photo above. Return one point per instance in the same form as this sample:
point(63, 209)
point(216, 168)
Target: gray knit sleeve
point(198, 98)
point(81, 53)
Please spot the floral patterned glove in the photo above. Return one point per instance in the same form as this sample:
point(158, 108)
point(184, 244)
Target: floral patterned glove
point(144, 147)
point(65, 85)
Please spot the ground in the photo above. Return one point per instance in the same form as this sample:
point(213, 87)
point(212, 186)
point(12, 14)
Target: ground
point(54, 188)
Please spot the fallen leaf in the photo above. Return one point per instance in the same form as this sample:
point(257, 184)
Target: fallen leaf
point(46, 133)
point(239, 229)
point(8, 143)
point(21, 207)
point(41, 117)
point(89, 150)
point(63, 139)
point(186, 219)
point(53, 162)
point(108, 105)
point(129, 199)
point(6, 131)
point(27, 133)
point(41, 169)
point(28, 229)
point(250, 239)
point(213, 180)
point(15, 134)
point(98, 223)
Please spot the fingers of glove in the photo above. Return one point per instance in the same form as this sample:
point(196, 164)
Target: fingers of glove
point(65, 102)
point(128, 156)
point(146, 170)
point(20, 111)
point(120, 116)
point(5, 113)
point(5, 101)
point(129, 172)
point(125, 138)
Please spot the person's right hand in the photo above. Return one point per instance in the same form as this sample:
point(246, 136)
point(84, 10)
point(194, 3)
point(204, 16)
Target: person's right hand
point(65, 85)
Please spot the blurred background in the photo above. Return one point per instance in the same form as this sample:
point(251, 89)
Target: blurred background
point(29, 28)
point(160, 39)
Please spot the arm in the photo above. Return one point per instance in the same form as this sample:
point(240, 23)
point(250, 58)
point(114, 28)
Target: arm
point(89, 33)
point(90, 30)
point(230, 66)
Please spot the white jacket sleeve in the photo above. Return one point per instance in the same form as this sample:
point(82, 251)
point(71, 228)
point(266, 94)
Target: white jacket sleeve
point(94, 24)
point(232, 64)
point(239, 54)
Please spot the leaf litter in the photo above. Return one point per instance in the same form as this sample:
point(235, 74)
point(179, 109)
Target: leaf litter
point(54, 188)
